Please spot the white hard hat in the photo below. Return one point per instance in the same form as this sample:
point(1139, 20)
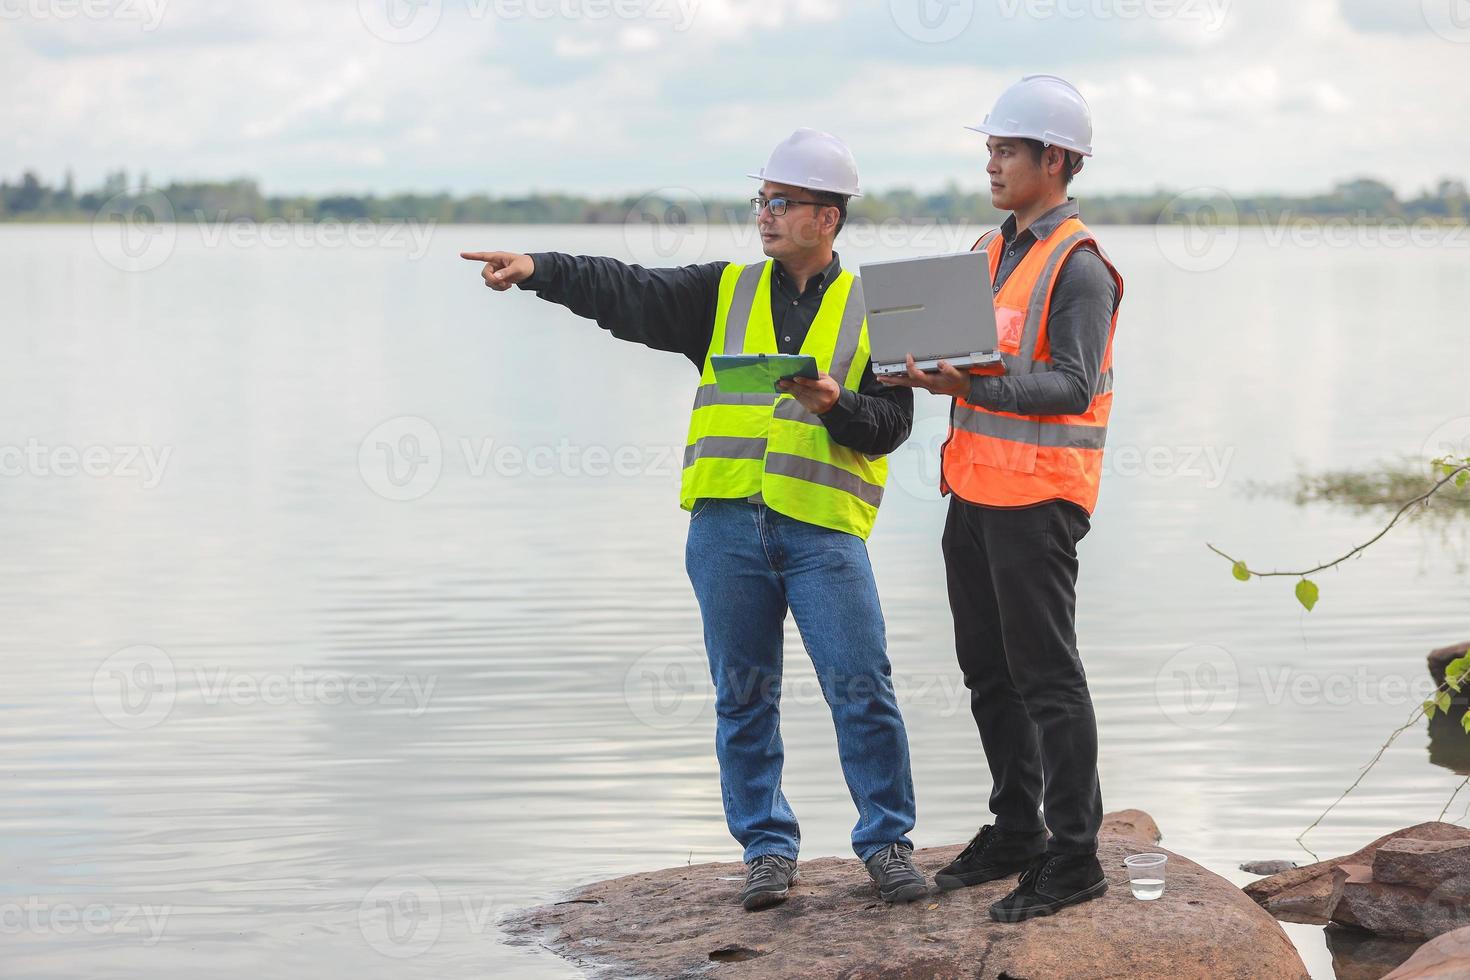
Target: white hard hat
point(1045, 108)
point(815, 160)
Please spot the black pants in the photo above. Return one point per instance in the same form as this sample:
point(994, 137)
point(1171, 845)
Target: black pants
point(1012, 588)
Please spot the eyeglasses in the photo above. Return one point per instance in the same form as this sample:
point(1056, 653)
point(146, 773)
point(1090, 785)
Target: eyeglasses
point(778, 205)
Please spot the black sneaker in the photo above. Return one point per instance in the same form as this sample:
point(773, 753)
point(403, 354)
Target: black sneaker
point(1052, 882)
point(992, 854)
point(768, 879)
point(893, 870)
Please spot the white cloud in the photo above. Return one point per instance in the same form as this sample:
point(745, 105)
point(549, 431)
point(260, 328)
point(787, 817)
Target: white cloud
point(739, 18)
point(305, 97)
point(639, 39)
point(576, 47)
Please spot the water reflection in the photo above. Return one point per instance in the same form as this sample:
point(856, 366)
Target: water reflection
point(1449, 746)
point(1357, 955)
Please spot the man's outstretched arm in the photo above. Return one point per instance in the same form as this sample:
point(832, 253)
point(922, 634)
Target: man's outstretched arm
point(670, 309)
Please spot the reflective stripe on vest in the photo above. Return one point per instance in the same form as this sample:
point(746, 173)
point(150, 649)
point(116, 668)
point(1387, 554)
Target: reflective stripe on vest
point(740, 445)
point(1004, 460)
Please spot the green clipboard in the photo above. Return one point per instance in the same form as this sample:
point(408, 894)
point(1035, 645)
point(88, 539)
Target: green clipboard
point(749, 374)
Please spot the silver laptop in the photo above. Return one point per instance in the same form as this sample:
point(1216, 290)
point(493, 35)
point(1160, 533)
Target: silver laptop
point(937, 308)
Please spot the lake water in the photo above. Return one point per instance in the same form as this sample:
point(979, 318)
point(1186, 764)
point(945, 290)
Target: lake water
point(348, 608)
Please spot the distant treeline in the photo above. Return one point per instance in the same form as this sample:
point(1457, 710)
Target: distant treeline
point(32, 199)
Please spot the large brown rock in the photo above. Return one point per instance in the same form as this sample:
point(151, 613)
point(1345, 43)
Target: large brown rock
point(684, 922)
point(1396, 911)
point(1301, 894)
point(1445, 957)
point(1425, 864)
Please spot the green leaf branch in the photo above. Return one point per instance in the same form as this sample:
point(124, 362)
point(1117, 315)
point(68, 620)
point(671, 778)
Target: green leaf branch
point(1451, 469)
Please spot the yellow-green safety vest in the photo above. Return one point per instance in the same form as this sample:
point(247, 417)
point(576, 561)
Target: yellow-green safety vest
point(740, 445)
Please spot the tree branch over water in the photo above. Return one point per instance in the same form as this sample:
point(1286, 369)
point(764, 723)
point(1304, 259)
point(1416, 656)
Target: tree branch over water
point(1457, 472)
point(1452, 470)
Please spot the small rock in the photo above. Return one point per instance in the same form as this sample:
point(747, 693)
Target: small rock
point(1132, 823)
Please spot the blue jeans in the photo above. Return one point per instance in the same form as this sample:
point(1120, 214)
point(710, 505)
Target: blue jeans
point(748, 565)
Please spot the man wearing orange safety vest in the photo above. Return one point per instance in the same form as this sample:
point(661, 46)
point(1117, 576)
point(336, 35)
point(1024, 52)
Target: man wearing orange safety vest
point(1022, 466)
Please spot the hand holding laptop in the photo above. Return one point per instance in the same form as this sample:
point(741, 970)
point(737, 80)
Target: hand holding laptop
point(930, 320)
point(943, 379)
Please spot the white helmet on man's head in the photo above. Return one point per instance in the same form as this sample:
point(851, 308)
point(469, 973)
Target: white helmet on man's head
point(815, 160)
point(1045, 108)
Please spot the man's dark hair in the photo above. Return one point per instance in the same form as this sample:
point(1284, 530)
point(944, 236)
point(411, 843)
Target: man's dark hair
point(1070, 159)
point(838, 201)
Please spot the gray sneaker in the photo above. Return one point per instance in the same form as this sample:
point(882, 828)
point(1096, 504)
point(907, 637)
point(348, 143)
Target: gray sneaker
point(892, 869)
point(768, 879)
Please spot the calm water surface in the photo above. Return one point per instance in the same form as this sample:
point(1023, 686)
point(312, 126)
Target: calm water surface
point(368, 621)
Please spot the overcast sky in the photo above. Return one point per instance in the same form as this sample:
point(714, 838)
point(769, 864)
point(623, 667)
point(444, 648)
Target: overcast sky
point(611, 96)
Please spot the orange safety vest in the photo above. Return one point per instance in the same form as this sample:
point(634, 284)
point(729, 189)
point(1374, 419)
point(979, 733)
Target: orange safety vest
point(997, 459)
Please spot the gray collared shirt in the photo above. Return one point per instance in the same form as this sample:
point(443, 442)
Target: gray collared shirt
point(1077, 327)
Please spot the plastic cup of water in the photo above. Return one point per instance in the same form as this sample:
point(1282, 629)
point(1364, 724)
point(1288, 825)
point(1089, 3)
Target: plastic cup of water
point(1146, 875)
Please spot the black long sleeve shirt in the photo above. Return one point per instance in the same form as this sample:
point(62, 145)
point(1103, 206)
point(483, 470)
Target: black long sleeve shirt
point(673, 309)
point(1077, 327)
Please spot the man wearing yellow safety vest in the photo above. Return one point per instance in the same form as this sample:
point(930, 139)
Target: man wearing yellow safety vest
point(782, 491)
point(1022, 466)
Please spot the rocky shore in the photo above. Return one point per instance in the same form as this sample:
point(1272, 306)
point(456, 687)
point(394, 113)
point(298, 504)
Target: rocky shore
point(683, 922)
point(1383, 901)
